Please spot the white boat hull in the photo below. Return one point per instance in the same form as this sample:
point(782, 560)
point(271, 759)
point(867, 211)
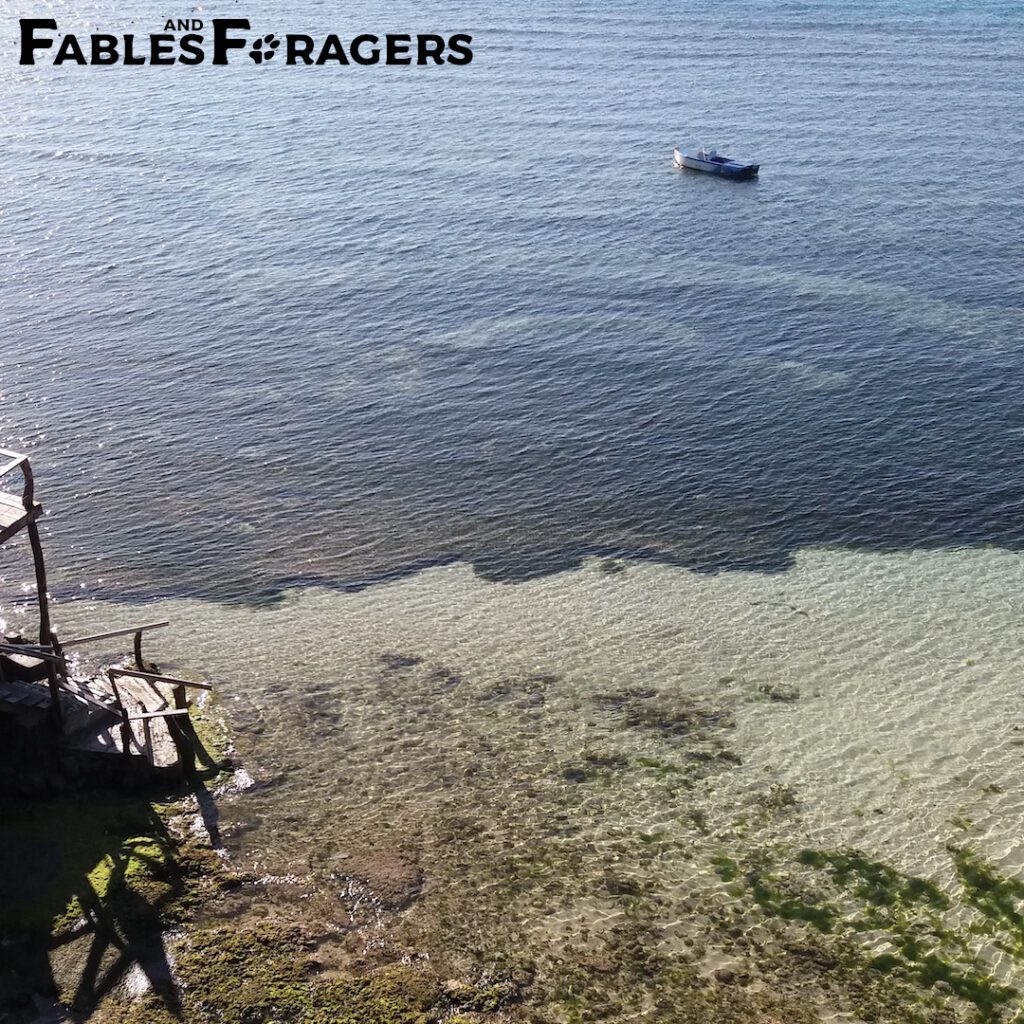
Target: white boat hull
point(717, 165)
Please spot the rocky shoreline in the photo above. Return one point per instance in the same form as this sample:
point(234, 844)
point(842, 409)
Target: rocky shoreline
point(699, 821)
point(123, 909)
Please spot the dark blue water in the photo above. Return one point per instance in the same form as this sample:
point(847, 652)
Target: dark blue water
point(269, 325)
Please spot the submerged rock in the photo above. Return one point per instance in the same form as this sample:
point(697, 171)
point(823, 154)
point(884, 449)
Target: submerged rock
point(444, 675)
point(679, 717)
point(779, 692)
point(393, 878)
point(393, 662)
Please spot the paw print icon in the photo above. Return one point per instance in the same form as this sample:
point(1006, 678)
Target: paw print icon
point(263, 49)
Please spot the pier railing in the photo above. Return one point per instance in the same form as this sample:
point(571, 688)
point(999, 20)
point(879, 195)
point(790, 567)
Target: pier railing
point(182, 739)
point(135, 631)
point(60, 675)
point(14, 518)
point(13, 461)
point(21, 512)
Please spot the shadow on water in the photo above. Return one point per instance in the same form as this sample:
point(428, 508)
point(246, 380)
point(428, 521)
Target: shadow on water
point(511, 569)
point(508, 567)
point(650, 432)
point(495, 567)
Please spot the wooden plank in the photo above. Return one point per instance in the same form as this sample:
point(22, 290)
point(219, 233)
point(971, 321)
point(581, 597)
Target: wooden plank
point(16, 460)
point(11, 508)
point(152, 677)
point(169, 713)
point(32, 651)
point(31, 700)
point(89, 698)
point(22, 694)
point(113, 633)
point(13, 515)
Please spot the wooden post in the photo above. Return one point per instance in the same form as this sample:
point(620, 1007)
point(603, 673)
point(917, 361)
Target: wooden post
point(41, 588)
point(147, 734)
point(126, 734)
point(126, 725)
point(45, 631)
point(52, 680)
point(181, 731)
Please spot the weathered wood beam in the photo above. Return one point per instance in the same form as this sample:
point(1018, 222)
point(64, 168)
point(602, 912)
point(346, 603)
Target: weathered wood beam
point(152, 677)
point(113, 633)
point(33, 651)
point(169, 713)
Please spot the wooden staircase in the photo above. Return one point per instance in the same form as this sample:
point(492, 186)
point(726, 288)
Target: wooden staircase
point(133, 712)
point(136, 713)
point(16, 511)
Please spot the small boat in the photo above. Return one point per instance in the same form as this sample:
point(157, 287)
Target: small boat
point(709, 161)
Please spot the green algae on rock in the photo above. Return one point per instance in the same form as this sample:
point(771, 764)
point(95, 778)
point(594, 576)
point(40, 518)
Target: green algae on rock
point(581, 831)
point(929, 964)
point(269, 972)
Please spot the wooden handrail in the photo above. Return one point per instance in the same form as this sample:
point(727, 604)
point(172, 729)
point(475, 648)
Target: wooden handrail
point(152, 677)
point(42, 652)
point(90, 699)
point(128, 631)
point(16, 460)
point(169, 713)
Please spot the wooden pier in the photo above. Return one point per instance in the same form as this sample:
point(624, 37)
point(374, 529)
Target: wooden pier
point(130, 710)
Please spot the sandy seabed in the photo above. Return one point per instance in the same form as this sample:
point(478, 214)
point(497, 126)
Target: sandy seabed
point(705, 765)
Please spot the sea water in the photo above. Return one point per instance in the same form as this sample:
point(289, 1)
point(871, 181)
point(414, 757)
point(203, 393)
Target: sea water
point(465, 442)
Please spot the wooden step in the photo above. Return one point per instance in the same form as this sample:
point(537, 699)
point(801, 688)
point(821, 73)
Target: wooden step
point(13, 515)
point(16, 694)
point(22, 667)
